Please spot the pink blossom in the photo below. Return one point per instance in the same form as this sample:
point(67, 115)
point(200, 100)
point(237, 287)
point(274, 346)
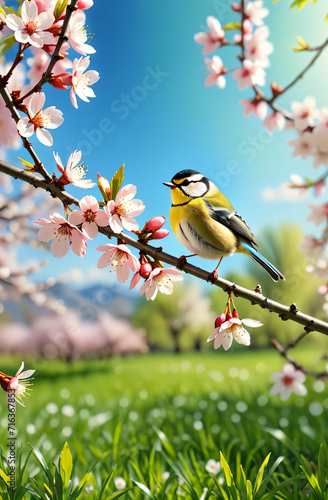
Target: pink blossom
point(77, 35)
point(84, 4)
point(319, 213)
point(120, 258)
point(160, 280)
point(304, 113)
point(39, 119)
point(319, 187)
point(250, 74)
point(160, 234)
point(62, 235)
point(90, 216)
point(256, 12)
point(122, 211)
point(216, 69)
point(39, 63)
point(20, 383)
point(259, 108)
point(303, 145)
point(155, 223)
point(231, 329)
point(258, 48)
point(9, 137)
point(287, 381)
point(46, 5)
point(311, 246)
point(30, 28)
point(274, 120)
point(320, 141)
point(213, 39)
point(73, 173)
point(82, 79)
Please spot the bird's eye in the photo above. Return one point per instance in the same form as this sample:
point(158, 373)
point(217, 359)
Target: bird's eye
point(185, 183)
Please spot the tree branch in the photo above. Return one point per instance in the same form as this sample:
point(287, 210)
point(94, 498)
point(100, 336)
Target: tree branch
point(297, 365)
point(285, 312)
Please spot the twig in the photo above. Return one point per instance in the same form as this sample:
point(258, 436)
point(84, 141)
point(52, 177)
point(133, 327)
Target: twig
point(297, 365)
point(285, 312)
point(56, 54)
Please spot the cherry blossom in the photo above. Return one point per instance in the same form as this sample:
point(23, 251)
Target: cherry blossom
point(73, 173)
point(39, 63)
point(213, 466)
point(160, 280)
point(120, 258)
point(258, 48)
point(156, 223)
point(228, 327)
point(46, 5)
point(211, 40)
point(77, 35)
point(30, 28)
point(258, 107)
point(319, 214)
point(256, 12)
point(250, 74)
point(62, 235)
point(304, 113)
point(84, 4)
point(311, 246)
point(39, 120)
point(274, 120)
point(20, 383)
point(287, 381)
point(8, 129)
point(81, 79)
point(247, 30)
point(303, 145)
point(122, 211)
point(90, 216)
point(217, 70)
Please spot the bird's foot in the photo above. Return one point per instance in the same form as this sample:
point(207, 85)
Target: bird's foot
point(212, 277)
point(181, 262)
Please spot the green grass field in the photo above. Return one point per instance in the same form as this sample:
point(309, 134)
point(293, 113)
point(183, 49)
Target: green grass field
point(143, 417)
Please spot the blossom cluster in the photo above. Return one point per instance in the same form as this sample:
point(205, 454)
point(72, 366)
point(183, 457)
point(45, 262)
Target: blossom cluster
point(117, 214)
point(37, 28)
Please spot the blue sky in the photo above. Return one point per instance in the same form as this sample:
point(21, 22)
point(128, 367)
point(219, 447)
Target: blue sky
point(153, 113)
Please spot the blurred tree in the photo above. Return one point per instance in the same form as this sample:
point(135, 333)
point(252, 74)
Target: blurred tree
point(180, 321)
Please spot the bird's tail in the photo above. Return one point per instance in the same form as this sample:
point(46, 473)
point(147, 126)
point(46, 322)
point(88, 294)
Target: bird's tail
point(267, 266)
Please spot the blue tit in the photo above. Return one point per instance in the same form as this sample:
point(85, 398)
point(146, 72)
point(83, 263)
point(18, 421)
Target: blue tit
point(205, 222)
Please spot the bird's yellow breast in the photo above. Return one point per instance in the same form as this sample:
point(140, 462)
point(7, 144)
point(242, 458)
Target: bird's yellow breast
point(198, 232)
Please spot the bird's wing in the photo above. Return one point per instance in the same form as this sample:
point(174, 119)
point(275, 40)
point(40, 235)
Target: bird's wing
point(233, 221)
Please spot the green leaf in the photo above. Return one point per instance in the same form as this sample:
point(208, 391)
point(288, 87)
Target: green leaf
point(249, 490)
point(80, 487)
point(165, 442)
point(59, 8)
point(267, 478)
point(9, 11)
point(144, 488)
point(116, 440)
point(66, 464)
point(302, 42)
point(323, 466)
point(226, 470)
point(7, 43)
point(116, 182)
point(4, 477)
point(118, 494)
point(260, 473)
point(232, 26)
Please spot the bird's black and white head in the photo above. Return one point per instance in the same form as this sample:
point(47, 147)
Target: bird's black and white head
point(188, 184)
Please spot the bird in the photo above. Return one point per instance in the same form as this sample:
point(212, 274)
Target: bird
point(205, 222)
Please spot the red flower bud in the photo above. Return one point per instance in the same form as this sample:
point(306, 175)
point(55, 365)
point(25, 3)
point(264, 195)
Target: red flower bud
point(104, 187)
point(219, 320)
point(236, 7)
point(228, 316)
point(235, 314)
point(145, 270)
point(159, 234)
point(155, 223)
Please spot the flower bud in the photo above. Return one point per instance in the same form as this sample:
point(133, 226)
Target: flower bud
point(145, 270)
point(161, 233)
point(61, 81)
point(155, 223)
point(84, 4)
point(219, 320)
point(236, 7)
point(235, 314)
point(104, 187)
point(228, 316)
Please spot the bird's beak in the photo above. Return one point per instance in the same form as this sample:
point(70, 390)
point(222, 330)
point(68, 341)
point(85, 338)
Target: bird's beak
point(169, 184)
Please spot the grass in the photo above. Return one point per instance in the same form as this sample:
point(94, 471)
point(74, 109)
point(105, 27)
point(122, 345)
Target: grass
point(141, 417)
